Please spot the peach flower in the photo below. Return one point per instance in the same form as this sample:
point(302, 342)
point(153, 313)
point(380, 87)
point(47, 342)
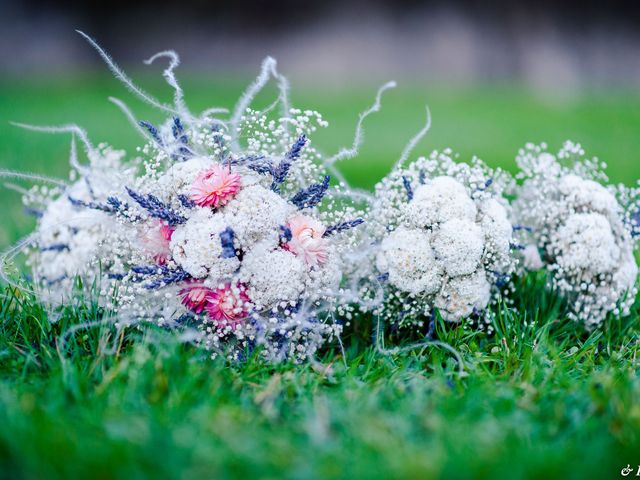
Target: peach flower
point(307, 240)
point(155, 241)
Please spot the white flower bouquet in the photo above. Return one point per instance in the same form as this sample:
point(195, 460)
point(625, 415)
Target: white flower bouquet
point(582, 232)
point(227, 242)
point(229, 225)
point(68, 242)
point(444, 239)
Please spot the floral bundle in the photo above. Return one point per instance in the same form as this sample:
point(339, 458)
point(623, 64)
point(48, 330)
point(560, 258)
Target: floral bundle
point(582, 232)
point(234, 225)
point(444, 239)
point(69, 241)
point(229, 225)
point(232, 241)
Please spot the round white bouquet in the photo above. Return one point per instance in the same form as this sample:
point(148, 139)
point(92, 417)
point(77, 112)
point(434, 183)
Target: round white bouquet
point(231, 242)
point(228, 225)
point(70, 241)
point(233, 225)
point(444, 239)
point(582, 232)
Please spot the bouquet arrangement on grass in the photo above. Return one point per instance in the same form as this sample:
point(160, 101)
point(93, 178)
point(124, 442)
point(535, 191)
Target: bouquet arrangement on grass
point(231, 241)
point(226, 224)
point(444, 239)
point(66, 252)
point(583, 232)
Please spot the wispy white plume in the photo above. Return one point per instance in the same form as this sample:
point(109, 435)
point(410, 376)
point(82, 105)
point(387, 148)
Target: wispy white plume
point(267, 70)
point(16, 188)
point(7, 257)
point(70, 128)
point(358, 137)
point(178, 97)
point(414, 141)
point(120, 75)
point(132, 119)
point(73, 155)
point(213, 111)
point(32, 176)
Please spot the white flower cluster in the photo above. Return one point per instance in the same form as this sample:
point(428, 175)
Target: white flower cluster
point(583, 232)
point(444, 238)
point(70, 240)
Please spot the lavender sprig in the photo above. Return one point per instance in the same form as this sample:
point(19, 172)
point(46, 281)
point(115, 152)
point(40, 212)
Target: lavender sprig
point(342, 226)
point(257, 163)
point(501, 278)
point(156, 208)
point(89, 187)
point(311, 196)
point(487, 184)
point(56, 280)
point(185, 319)
point(186, 201)
point(167, 276)
point(153, 131)
point(149, 269)
point(285, 234)
point(383, 278)
point(247, 159)
point(35, 212)
point(117, 204)
point(112, 206)
point(634, 222)
point(261, 168)
point(516, 246)
point(281, 171)
point(296, 148)
point(172, 276)
point(178, 131)
point(226, 240)
point(55, 247)
point(179, 134)
point(407, 186)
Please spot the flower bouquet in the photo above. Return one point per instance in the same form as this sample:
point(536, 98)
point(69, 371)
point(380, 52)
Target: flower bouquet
point(583, 233)
point(444, 239)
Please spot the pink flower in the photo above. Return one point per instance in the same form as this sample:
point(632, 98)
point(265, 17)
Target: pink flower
point(307, 240)
point(215, 186)
point(155, 241)
point(195, 296)
point(228, 305)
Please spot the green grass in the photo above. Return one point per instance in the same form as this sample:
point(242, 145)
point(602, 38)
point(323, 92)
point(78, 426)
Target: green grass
point(539, 399)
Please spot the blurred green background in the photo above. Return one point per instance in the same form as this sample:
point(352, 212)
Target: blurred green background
point(490, 121)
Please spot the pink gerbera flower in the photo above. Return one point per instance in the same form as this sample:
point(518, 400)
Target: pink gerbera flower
point(228, 305)
point(195, 297)
point(215, 186)
point(155, 241)
point(307, 240)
